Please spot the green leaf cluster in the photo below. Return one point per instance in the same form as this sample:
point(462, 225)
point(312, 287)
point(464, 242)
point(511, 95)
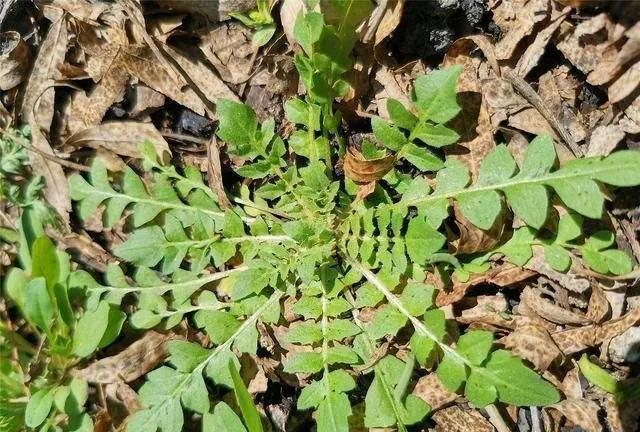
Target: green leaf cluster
point(434, 104)
point(260, 20)
point(299, 247)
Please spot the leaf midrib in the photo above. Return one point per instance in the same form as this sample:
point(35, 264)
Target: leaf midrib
point(555, 176)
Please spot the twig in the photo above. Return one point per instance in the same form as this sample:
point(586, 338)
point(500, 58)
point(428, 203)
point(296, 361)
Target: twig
point(252, 62)
point(184, 137)
point(496, 419)
point(534, 99)
point(57, 159)
point(535, 419)
point(214, 169)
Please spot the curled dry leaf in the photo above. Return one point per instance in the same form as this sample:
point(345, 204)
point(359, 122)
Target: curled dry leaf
point(533, 343)
point(598, 308)
point(431, 390)
point(455, 419)
point(569, 281)
point(534, 52)
point(37, 110)
point(503, 275)
point(214, 10)
point(614, 61)
point(518, 22)
point(578, 339)
point(533, 300)
point(136, 360)
point(363, 171)
point(14, 59)
point(580, 45)
point(120, 137)
point(580, 412)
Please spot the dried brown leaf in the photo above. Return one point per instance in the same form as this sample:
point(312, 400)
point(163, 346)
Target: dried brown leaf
point(37, 110)
point(431, 390)
point(139, 62)
point(625, 348)
point(533, 343)
point(503, 275)
point(390, 20)
point(578, 339)
point(527, 15)
point(580, 412)
point(119, 137)
point(604, 139)
point(144, 101)
point(534, 52)
point(570, 281)
point(136, 360)
point(626, 84)
point(229, 49)
point(533, 300)
point(622, 417)
point(455, 419)
point(614, 61)
point(201, 79)
point(598, 307)
point(585, 44)
point(14, 59)
point(472, 239)
point(214, 10)
point(360, 170)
